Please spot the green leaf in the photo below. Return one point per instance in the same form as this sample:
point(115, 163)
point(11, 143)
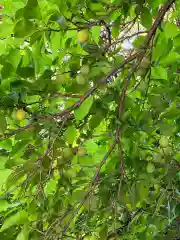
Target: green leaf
point(14, 57)
point(50, 187)
point(91, 146)
point(96, 33)
point(70, 134)
point(83, 110)
point(6, 144)
point(4, 205)
point(25, 134)
point(31, 10)
point(156, 3)
point(6, 27)
point(170, 58)
point(24, 234)
point(4, 174)
point(146, 18)
point(17, 219)
point(167, 129)
point(78, 194)
point(2, 162)
point(3, 124)
point(23, 28)
point(7, 70)
point(171, 112)
point(139, 41)
point(103, 233)
point(25, 72)
point(158, 73)
point(171, 30)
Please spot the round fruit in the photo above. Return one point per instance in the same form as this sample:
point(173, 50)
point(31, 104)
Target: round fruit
point(80, 79)
point(67, 152)
point(144, 63)
point(163, 142)
point(85, 69)
point(83, 36)
point(157, 158)
point(60, 78)
point(143, 86)
point(81, 152)
point(166, 151)
point(150, 168)
point(141, 72)
point(20, 114)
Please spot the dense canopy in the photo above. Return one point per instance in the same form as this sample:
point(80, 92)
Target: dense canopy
point(89, 119)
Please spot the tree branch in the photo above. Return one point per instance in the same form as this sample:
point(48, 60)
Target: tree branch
point(150, 35)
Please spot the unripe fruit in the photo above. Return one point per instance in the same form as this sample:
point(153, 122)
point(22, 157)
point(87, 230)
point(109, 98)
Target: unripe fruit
point(80, 79)
point(141, 72)
point(20, 114)
point(143, 86)
point(83, 36)
point(163, 142)
point(60, 78)
point(84, 69)
point(150, 168)
point(67, 152)
point(158, 158)
point(166, 151)
point(81, 152)
point(144, 63)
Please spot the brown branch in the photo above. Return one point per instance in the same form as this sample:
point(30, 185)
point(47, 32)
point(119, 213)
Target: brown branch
point(66, 112)
point(10, 134)
point(66, 95)
point(150, 35)
point(77, 104)
point(92, 186)
point(122, 97)
point(121, 39)
point(79, 204)
point(158, 20)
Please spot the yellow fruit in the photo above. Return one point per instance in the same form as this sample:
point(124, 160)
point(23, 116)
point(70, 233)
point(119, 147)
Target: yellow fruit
point(83, 36)
point(84, 69)
point(163, 142)
point(81, 152)
point(150, 168)
point(80, 79)
point(20, 114)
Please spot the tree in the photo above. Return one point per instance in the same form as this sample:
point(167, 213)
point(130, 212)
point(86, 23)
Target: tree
point(89, 129)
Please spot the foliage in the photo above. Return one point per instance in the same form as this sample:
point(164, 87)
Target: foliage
point(89, 129)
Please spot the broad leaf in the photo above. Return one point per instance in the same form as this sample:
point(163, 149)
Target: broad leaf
point(16, 219)
point(83, 110)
